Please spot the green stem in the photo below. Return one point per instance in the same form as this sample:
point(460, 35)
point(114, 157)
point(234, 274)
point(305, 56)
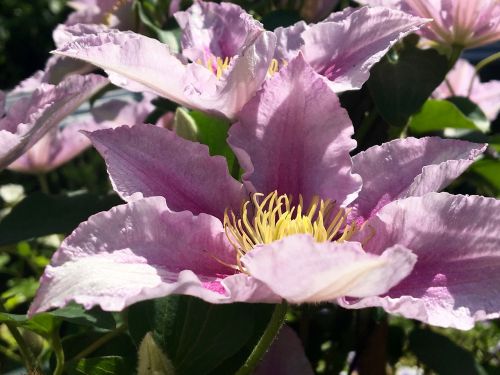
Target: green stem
point(456, 51)
point(272, 329)
point(44, 184)
point(480, 65)
point(99, 342)
point(27, 355)
point(58, 351)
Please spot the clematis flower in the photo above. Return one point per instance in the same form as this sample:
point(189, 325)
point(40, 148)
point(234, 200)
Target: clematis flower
point(66, 141)
point(224, 60)
point(461, 23)
point(345, 46)
point(231, 55)
point(28, 119)
point(462, 80)
point(282, 233)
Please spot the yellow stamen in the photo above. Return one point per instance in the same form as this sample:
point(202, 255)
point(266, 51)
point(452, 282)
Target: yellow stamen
point(274, 67)
point(268, 219)
point(216, 65)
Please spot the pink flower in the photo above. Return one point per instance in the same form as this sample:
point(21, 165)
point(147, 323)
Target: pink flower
point(64, 142)
point(462, 23)
point(462, 80)
point(227, 55)
point(345, 46)
point(28, 119)
point(225, 59)
point(425, 255)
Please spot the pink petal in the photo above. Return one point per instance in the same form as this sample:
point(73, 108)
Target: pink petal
point(285, 356)
point(31, 118)
point(457, 242)
point(137, 251)
point(146, 160)
point(217, 29)
point(66, 142)
point(139, 63)
point(289, 41)
point(345, 51)
point(294, 137)
point(409, 167)
point(299, 269)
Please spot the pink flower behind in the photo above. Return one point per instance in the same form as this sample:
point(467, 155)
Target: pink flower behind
point(461, 23)
point(345, 46)
point(462, 80)
point(226, 58)
point(66, 141)
point(31, 117)
point(185, 230)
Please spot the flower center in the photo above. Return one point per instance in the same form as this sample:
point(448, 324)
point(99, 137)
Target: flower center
point(274, 217)
point(218, 66)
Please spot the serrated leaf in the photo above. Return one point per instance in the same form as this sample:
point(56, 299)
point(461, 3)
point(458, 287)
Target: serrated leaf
point(40, 214)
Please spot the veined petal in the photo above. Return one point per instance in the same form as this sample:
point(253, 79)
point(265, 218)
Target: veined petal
point(345, 51)
point(137, 251)
point(138, 63)
point(146, 160)
point(289, 40)
point(409, 167)
point(244, 76)
point(457, 242)
point(299, 269)
point(294, 137)
point(46, 107)
point(217, 29)
point(65, 142)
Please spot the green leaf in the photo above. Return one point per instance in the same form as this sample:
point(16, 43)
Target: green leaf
point(170, 38)
point(402, 82)
point(45, 323)
point(198, 337)
point(489, 170)
point(213, 133)
point(436, 115)
point(472, 111)
point(98, 366)
point(21, 291)
point(76, 314)
point(440, 354)
point(40, 214)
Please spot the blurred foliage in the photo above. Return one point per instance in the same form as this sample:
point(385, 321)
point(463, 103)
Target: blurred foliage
point(26, 36)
